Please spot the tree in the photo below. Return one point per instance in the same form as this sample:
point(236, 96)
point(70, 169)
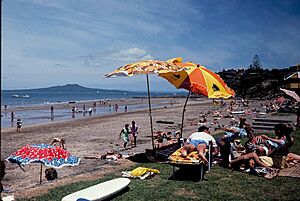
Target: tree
point(255, 65)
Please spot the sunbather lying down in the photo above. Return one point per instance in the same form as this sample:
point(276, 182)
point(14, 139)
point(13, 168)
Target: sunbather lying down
point(199, 141)
point(58, 142)
point(111, 155)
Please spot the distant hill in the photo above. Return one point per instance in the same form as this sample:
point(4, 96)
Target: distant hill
point(64, 88)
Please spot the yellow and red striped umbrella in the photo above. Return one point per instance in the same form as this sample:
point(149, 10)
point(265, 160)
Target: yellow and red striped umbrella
point(199, 80)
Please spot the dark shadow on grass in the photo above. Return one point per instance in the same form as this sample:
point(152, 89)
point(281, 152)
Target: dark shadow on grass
point(139, 158)
point(159, 155)
point(188, 173)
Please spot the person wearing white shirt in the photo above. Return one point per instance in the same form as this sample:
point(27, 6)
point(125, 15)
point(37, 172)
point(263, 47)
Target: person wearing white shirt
point(199, 141)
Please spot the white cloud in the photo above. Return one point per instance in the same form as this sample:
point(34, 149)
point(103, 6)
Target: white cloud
point(131, 54)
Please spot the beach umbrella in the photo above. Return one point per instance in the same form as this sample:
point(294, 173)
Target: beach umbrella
point(291, 94)
point(51, 156)
point(199, 80)
point(146, 67)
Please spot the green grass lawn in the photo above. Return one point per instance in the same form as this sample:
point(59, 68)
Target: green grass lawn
point(221, 184)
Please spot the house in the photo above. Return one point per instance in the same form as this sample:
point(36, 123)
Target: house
point(292, 81)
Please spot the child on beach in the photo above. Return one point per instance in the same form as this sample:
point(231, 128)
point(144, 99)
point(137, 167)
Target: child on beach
point(19, 125)
point(125, 135)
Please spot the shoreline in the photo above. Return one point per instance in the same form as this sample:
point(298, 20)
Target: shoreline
point(89, 103)
point(41, 114)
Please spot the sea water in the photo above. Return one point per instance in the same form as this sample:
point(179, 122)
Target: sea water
point(40, 98)
point(38, 116)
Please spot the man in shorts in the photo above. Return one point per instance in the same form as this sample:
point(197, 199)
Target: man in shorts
point(199, 141)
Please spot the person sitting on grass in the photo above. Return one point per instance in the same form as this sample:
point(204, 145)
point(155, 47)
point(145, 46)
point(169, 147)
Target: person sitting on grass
point(125, 135)
point(234, 132)
point(283, 141)
point(231, 134)
point(258, 145)
point(199, 141)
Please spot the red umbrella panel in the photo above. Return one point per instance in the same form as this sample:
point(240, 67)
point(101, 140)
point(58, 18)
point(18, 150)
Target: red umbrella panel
point(51, 156)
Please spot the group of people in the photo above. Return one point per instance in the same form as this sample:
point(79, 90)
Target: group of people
point(129, 135)
point(19, 121)
point(255, 147)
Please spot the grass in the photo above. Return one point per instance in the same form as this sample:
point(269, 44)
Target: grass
point(221, 184)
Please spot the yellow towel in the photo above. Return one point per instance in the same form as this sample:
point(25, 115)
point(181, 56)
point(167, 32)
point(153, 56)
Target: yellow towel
point(267, 160)
point(140, 171)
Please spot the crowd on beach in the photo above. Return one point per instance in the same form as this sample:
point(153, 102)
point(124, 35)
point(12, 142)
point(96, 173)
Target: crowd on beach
point(261, 154)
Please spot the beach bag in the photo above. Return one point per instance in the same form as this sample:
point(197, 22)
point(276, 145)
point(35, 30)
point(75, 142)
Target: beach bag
point(50, 174)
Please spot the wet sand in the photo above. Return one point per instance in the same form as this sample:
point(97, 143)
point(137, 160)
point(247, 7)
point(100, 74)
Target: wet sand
point(94, 136)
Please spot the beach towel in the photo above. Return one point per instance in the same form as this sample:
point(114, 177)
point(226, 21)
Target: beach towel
point(140, 172)
point(291, 171)
point(267, 160)
point(192, 158)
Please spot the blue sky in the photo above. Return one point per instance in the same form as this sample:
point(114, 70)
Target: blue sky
point(56, 42)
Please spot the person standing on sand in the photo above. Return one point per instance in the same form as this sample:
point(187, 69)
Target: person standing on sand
point(116, 107)
point(52, 109)
point(19, 125)
point(12, 116)
point(134, 132)
point(125, 135)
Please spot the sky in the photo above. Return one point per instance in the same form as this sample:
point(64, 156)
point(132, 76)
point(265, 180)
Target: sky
point(56, 42)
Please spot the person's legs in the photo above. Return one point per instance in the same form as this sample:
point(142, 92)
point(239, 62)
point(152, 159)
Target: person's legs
point(249, 156)
point(134, 140)
point(293, 156)
point(186, 149)
point(201, 150)
point(225, 152)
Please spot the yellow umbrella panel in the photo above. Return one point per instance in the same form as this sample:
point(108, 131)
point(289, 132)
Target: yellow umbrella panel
point(145, 67)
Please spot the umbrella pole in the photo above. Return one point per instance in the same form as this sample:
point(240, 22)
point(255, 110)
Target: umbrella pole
point(187, 98)
point(150, 115)
point(41, 173)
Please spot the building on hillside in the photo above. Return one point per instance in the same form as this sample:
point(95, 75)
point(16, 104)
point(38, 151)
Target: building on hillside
point(292, 81)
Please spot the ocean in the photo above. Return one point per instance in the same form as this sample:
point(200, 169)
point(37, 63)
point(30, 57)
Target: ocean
point(40, 98)
point(38, 116)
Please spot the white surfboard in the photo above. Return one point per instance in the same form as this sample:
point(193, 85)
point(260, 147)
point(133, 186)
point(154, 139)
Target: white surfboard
point(100, 191)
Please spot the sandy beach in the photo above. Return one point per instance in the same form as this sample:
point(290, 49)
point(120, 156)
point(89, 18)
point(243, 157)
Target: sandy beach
point(94, 136)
